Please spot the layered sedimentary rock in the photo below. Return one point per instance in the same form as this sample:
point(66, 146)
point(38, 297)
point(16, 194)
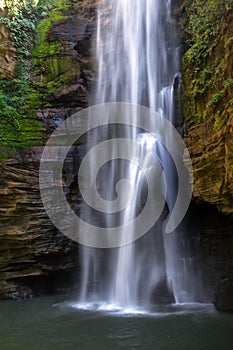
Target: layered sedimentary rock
point(208, 112)
point(35, 257)
point(207, 81)
point(7, 50)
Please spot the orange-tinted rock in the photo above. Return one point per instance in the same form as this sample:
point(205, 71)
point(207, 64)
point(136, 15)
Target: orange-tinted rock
point(209, 123)
point(7, 53)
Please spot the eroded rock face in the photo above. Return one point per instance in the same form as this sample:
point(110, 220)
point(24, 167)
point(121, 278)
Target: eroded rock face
point(7, 52)
point(215, 232)
point(208, 113)
point(212, 158)
point(32, 251)
point(35, 258)
point(64, 59)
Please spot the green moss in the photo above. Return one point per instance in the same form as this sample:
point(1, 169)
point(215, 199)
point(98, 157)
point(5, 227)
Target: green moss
point(19, 100)
point(206, 64)
point(218, 97)
point(42, 69)
point(22, 17)
point(19, 96)
point(218, 121)
point(204, 26)
point(52, 69)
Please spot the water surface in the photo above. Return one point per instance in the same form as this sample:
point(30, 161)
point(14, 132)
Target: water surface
point(53, 323)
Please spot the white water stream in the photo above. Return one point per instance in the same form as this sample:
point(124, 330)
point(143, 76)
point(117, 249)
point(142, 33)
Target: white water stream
point(138, 57)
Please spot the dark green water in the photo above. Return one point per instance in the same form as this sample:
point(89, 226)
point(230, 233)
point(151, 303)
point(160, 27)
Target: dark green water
point(52, 324)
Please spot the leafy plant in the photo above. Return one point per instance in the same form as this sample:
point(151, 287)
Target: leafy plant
point(21, 18)
point(204, 25)
point(19, 97)
point(18, 101)
point(29, 22)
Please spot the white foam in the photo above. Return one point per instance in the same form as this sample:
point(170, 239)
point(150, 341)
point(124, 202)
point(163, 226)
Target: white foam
point(112, 309)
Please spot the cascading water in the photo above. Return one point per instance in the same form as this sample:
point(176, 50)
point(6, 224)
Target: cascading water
point(138, 62)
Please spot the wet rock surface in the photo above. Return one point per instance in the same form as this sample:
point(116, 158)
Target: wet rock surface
point(211, 234)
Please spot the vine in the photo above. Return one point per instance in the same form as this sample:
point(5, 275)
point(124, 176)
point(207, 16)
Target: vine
point(19, 96)
point(22, 17)
point(203, 26)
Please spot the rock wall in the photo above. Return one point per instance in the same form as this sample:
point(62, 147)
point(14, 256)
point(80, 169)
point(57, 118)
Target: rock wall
point(35, 258)
point(211, 235)
point(32, 252)
point(7, 50)
point(207, 77)
point(207, 80)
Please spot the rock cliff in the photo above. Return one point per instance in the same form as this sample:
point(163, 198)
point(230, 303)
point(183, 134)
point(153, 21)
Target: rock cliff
point(207, 80)
point(7, 49)
point(7, 53)
point(35, 257)
point(208, 110)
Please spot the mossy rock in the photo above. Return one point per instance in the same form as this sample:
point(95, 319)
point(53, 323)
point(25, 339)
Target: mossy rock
point(53, 66)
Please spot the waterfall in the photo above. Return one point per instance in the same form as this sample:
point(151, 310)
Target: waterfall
point(138, 55)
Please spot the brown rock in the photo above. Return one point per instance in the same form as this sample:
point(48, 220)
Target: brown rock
point(7, 53)
point(35, 258)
